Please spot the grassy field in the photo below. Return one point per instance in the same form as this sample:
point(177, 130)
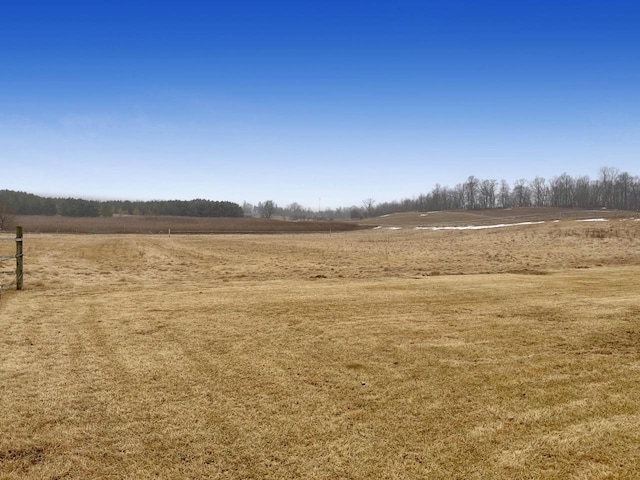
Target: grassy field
point(501, 353)
point(177, 225)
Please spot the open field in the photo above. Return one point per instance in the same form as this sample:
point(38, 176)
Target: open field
point(176, 225)
point(493, 216)
point(190, 225)
point(502, 353)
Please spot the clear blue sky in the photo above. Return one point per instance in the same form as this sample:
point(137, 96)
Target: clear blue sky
point(312, 102)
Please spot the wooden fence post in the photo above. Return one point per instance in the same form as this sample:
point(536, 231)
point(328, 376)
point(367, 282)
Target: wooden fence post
point(19, 264)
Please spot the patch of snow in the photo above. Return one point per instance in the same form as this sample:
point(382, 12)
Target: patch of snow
point(556, 221)
point(478, 227)
point(382, 216)
point(593, 220)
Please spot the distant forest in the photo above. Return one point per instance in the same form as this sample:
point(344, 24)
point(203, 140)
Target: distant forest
point(22, 203)
point(612, 190)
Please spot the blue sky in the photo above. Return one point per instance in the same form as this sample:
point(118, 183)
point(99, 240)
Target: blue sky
point(321, 103)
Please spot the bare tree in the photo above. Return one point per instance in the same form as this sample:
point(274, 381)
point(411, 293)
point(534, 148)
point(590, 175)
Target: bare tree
point(582, 196)
point(267, 208)
point(438, 198)
point(488, 193)
point(521, 193)
point(540, 192)
point(7, 218)
point(368, 204)
point(471, 192)
point(607, 177)
point(247, 209)
point(562, 191)
point(505, 194)
point(623, 190)
point(457, 197)
point(295, 211)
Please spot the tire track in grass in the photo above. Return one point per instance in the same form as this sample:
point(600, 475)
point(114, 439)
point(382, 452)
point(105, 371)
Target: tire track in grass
point(145, 425)
point(37, 422)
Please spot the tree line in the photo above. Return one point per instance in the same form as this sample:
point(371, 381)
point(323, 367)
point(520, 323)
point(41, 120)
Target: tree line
point(21, 203)
point(612, 189)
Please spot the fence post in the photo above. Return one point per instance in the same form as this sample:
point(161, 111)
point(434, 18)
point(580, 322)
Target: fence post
point(19, 265)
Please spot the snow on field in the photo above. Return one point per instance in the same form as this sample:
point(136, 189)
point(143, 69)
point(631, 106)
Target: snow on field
point(387, 228)
point(593, 220)
point(478, 227)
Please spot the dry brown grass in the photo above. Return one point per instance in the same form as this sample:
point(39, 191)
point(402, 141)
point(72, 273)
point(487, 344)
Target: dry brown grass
point(353, 355)
point(493, 216)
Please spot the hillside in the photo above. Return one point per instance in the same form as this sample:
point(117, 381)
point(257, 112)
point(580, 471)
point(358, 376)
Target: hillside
point(407, 220)
point(490, 216)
